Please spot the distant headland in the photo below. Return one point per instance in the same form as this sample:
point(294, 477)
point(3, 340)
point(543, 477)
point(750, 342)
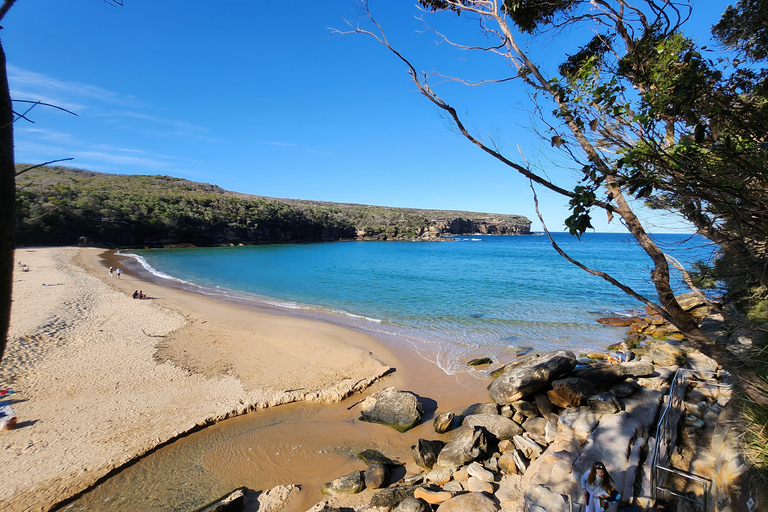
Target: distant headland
point(65, 206)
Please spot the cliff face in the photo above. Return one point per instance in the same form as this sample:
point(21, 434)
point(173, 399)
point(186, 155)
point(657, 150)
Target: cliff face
point(59, 205)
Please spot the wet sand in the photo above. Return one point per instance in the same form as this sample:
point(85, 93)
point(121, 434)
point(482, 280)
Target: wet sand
point(103, 378)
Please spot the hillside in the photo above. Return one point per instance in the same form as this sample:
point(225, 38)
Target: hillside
point(59, 205)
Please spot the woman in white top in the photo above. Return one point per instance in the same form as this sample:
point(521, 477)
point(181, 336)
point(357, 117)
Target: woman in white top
point(598, 484)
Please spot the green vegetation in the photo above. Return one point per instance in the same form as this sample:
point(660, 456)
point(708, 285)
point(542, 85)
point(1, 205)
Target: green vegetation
point(58, 205)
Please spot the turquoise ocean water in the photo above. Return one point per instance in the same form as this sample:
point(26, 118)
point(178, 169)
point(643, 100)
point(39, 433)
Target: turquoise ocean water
point(452, 301)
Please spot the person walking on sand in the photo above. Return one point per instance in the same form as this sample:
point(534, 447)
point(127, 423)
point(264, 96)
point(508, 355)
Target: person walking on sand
point(111, 271)
point(598, 488)
point(119, 272)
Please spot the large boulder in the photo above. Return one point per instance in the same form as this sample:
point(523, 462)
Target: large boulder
point(667, 354)
point(425, 452)
point(351, 483)
point(498, 426)
point(376, 476)
point(527, 376)
point(412, 505)
point(570, 392)
point(639, 368)
point(400, 410)
point(443, 422)
point(390, 497)
point(602, 376)
point(470, 502)
point(468, 443)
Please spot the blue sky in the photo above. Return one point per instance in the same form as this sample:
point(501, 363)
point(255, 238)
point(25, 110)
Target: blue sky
point(262, 98)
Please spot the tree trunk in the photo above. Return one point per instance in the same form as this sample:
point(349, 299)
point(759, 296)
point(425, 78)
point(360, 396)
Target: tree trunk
point(7, 203)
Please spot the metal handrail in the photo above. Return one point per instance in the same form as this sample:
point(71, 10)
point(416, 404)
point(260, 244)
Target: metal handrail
point(666, 434)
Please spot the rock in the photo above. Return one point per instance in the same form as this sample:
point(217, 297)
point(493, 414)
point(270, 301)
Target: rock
point(581, 420)
point(550, 431)
point(432, 497)
point(425, 452)
point(638, 368)
point(570, 392)
point(625, 388)
point(539, 439)
point(535, 425)
point(392, 496)
point(506, 445)
point(412, 505)
point(521, 461)
point(461, 474)
point(478, 471)
point(527, 409)
point(443, 422)
point(666, 354)
point(529, 375)
point(498, 426)
point(602, 376)
point(467, 444)
point(528, 447)
point(507, 463)
point(507, 411)
point(475, 484)
point(480, 362)
point(376, 457)
point(453, 486)
point(544, 404)
point(605, 403)
point(376, 476)
point(439, 476)
point(351, 483)
point(400, 410)
point(690, 300)
point(618, 321)
point(483, 408)
point(470, 502)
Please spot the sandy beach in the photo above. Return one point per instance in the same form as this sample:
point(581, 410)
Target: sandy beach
point(101, 378)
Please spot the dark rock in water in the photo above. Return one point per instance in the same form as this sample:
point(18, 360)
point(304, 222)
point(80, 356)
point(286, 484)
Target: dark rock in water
point(468, 443)
point(666, 354)
point(625, 388)
point(509, 338)
point(352, 483)
point(412, 505)
point(618, 321)
point(544, 404)
point(443, 422)
point(400, 410)
point(376, 476)
point(523, 351)
point(376, 457)
point(530, 374)
point(482, 408)
point(605, 403)
point(498, 426)
point(603, 376)
point(425, 452)
point(639, 368)
point(476, 315)
point(480, 362)
point(390, 497)
point(570, 392)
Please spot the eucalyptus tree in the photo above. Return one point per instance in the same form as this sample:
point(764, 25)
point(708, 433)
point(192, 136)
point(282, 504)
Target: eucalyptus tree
point(624, 89)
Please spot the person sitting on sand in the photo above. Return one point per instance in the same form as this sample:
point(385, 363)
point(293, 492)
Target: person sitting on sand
point(7, 416)
point(598, 488)
point(141, 295)
point(135, 294)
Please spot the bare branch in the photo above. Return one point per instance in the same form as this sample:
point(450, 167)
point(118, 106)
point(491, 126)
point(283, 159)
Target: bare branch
point(42, 165)
point(7, 4)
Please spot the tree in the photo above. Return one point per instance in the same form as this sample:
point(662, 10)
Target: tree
point(591, 99)
point(7, 195)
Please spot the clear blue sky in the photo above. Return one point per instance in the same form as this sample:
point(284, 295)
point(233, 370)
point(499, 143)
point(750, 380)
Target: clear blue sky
point(261, 98)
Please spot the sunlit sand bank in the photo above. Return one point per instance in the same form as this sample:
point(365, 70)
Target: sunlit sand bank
point(101, 378)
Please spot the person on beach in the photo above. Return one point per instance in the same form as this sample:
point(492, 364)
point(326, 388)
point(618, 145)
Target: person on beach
point(624, 355)
point(111, 271)
point(135, 294)
point(141, 295)
point(7, 416)
point(119, 272)
point(598, 488)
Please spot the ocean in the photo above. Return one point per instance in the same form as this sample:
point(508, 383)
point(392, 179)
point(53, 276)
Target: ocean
point(477, 296)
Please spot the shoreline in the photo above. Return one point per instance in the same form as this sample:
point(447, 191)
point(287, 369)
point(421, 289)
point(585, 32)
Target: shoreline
point(103, 379)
